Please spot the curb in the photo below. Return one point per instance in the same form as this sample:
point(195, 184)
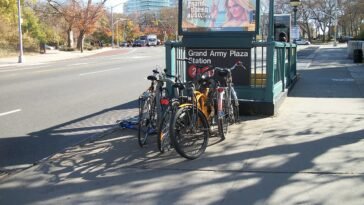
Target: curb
point(48, 57)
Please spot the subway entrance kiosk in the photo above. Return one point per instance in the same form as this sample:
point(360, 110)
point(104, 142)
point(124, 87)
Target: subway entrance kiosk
point(222, 32)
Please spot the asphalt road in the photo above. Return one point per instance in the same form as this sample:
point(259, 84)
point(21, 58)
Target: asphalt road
point(48, 107)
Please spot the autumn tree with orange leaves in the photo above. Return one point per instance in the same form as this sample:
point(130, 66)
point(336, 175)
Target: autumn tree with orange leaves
point(81, 15)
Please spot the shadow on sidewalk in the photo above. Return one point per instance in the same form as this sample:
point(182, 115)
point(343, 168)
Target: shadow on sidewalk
point(107, 167)
point(296, 160)
point(24, 150)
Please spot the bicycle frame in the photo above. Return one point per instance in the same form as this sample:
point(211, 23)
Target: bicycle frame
point(220, 98)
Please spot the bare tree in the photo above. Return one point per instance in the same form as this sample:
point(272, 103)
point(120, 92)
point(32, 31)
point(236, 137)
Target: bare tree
point(352, 16)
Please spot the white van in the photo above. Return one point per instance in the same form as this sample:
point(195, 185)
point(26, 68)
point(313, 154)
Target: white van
point(152, 40)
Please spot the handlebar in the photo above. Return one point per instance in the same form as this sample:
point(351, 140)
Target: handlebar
point(237, 64)
point(163, 76)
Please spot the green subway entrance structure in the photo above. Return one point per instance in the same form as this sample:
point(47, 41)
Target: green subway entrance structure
point(222, 32)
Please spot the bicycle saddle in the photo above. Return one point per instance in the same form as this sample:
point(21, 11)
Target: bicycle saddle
point(180, 86)
point(222, 72)
point(152, 77)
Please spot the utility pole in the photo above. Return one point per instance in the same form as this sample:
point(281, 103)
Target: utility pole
point(112, 29)
point(112, 24)
point(335, 27)
point(295, 4)
point(117, 32)
point(20, 34)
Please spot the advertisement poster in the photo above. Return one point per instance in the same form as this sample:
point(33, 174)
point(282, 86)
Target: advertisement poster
point(218, 15)
point(224, 58)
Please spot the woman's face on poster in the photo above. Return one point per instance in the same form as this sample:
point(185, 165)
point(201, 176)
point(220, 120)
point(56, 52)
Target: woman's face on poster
point(235, 9)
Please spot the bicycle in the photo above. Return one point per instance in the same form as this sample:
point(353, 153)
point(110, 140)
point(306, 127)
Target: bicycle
point(164, 141)
point(231, 102)
point(189, 127)
point(210, 102)
point(150, 107)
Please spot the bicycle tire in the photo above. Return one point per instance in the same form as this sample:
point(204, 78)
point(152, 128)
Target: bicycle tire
point(236, 112)
point(159, 111)
point(223, 121)
point(190, 141)
point(145, 125)
point(163, 139)
point(235, 105)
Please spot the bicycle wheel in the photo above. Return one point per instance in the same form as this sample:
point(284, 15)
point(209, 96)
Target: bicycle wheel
point(235, 111)
point(146, 115)
point(164, 142)
point(189, 132)
point(223, 121)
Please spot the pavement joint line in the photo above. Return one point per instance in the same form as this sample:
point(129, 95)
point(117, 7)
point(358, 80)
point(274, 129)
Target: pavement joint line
point(330, 113)
point(248, 171)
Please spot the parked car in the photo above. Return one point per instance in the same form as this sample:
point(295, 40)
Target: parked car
point(139, 43)
point(124, 44)
point(301, 42)
point(344, 39)
point(48, 47)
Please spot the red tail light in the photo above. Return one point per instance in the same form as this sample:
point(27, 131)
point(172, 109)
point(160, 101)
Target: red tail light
point(164, 101)
point(220, 90)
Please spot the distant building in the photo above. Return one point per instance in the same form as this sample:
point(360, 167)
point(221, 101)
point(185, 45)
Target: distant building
point(173, 3)
point(132, 6)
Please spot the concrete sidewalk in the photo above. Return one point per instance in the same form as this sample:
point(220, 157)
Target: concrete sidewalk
point(310, 153)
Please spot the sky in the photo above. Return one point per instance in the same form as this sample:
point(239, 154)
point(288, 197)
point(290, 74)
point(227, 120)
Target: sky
point(116, 9)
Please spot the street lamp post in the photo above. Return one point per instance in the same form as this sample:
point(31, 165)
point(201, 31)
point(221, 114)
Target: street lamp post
point(112, 29)
point(20, 35)
point(295, 4)
point(112, 24)
point(335, 27)
point(117, 32)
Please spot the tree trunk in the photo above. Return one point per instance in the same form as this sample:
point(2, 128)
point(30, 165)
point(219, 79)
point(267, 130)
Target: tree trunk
point(80, 40)
point(323, 33)
point(69, 37)
point(308, 31)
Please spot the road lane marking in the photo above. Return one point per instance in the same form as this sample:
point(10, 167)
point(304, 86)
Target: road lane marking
point(75, 64)
point(10, 112)
point(21, 69)
point(342, 79)
point(100, 71)
point(138, 57)
point(128, 57)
